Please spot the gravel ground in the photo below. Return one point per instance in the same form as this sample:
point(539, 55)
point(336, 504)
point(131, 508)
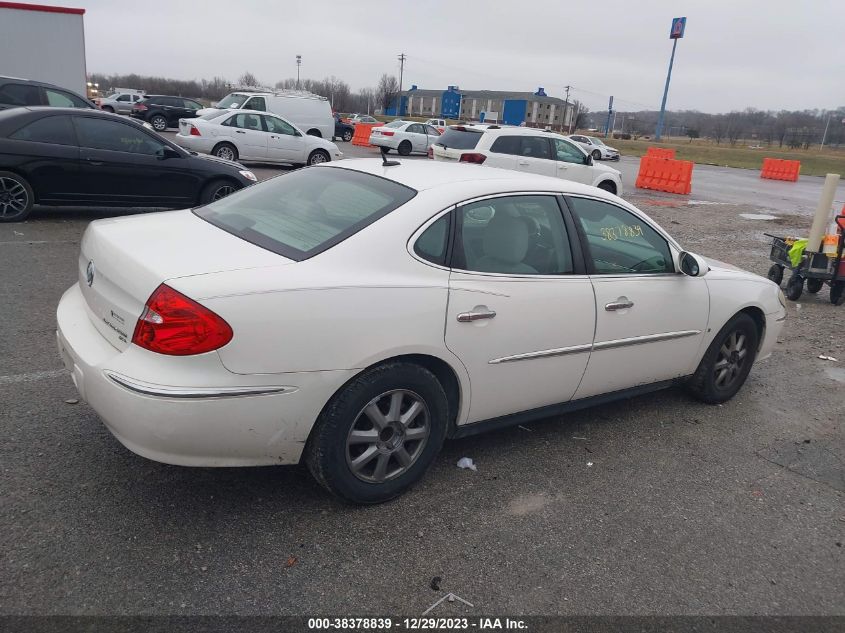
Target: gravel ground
point(686, 508)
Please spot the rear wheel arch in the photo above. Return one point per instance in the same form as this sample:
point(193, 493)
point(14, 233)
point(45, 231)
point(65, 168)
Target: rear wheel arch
point(314, 132)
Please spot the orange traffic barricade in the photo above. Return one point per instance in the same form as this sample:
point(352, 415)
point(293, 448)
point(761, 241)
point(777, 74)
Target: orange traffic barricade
point(660, 152)
point(779, 169)
point(361, 136)
point(665, 174)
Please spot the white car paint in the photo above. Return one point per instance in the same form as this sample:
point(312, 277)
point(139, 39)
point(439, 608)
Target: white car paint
point(309, 112)
point(439, 124)
point(500, 147)
point(256, 136)
point(595, 147)
point(303, 329)
point(361, 118)
point(399, 135)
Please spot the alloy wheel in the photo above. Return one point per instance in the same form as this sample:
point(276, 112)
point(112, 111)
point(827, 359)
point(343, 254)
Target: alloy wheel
point(13, 197)
point(222, 192)
point(317, 158)
point(159, 124)
point(731, 360)
point(388, 436)
point(226, 153)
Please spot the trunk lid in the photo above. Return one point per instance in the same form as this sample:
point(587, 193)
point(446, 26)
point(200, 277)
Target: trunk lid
point(123, 260)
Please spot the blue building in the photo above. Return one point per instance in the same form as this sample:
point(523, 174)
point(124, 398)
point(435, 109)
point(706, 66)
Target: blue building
point(534, 109)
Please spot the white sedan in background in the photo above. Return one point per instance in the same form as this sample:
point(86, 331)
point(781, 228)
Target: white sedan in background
point(405, 137)
point(250, 135)
point(595, 147)
point(354, 316)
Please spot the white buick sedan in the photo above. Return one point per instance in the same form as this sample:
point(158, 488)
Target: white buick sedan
point(250, 135)
point(356, 315)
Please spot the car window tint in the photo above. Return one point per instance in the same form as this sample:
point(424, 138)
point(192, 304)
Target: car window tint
point(49, 129)
point(459, 138)
point(191, 105)
point(245, 121)
point(618, 241)
point(518, 235)
point(256, 103)
point(567, 152)
point(123, 98)
point(506, 145)
point(278, 126)
point(307, 211)
point(20, 95)
point(396, 124)
point(535, 147)
point(61, 99)
point(431, 245)
point(115, 136)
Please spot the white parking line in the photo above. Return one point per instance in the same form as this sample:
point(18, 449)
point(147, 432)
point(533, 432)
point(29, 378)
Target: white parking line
point(31, 377)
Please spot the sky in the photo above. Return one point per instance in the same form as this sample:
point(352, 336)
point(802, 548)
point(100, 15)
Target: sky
point(770, 55)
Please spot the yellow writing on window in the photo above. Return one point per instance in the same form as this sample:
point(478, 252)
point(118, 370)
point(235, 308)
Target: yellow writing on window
point(621, 230)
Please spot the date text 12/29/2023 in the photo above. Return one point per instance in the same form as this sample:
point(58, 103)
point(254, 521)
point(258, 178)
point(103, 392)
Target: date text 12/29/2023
point(416, 624)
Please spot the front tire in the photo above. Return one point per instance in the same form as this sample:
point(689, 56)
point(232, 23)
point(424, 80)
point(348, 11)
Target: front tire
point(226, 151)
point(794, 287)
point(814, 285)
point(775, 273)
point(596, 154)
point(405, 148)
point(318, 156)
point(217, 189)
point(379, 434)
point(108, 109)
point(159, 123)
point(727, 362)
point(16, 197)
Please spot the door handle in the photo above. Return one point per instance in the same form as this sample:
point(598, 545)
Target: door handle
point(622, 303)
point(523, 162)
point(468, 317)
point(562, 166)
point(96, 163)
point(239, 132)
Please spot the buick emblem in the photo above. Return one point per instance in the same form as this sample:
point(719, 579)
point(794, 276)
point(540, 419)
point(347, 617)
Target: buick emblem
point(89, 272)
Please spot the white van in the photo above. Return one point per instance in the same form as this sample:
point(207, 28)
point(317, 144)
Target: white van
point(305, 110)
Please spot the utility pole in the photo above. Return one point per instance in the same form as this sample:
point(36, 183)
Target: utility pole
point(677, 32)
point(824, 136)
point(298, 63)
point(402, 59)
point(568, 108)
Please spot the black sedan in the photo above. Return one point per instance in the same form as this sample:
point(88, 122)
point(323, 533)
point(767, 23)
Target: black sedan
point(342, 130)
point(73, 157)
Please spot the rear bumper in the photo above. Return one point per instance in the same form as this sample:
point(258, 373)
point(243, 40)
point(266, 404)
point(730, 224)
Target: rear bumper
point(201, 144)
point(390, 142)
point(190, 411)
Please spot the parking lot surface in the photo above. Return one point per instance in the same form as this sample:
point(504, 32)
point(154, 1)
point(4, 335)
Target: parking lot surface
point(659, 504)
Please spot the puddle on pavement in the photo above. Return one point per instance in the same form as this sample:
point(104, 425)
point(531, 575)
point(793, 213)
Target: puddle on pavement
point(758, 216)
point(835, 373)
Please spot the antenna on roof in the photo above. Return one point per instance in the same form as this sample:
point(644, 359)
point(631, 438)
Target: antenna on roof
point(384, 161)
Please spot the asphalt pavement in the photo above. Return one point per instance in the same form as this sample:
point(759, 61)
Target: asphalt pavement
point(656, 505)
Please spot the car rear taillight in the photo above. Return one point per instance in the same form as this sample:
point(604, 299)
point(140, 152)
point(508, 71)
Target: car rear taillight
point(175, 325)
point(386, 133)
point(474, 158)
point(195, 131)
point(431, 152)
point(140, 107)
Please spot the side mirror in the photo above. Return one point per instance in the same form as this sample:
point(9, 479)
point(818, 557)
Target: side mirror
point(692, 265)
point(588, 159)
point(168, 152)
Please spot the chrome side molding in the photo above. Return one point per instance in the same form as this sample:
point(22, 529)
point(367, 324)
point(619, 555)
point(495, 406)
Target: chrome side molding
point(163, 391)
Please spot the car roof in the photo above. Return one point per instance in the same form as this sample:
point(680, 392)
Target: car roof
point(34, 82)
point(429, 174)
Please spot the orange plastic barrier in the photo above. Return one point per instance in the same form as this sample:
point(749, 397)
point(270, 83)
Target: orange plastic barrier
point(362, 133)
point(660, 152)
point(665, 174)
point(779, 169)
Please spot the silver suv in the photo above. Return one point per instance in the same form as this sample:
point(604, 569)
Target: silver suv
point(120, 101)
point(524, 149)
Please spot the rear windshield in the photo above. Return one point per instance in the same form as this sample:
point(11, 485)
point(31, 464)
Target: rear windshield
point(307, 211)
point(396, 124)
point(459, 139)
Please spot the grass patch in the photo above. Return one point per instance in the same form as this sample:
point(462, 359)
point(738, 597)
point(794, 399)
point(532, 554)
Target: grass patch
point(813, 162)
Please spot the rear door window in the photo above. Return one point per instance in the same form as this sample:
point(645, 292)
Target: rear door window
point(459, 138)
point(307, 211)
point(20, 95)
point(535, 147)
point(507, 145)
point(49, 129)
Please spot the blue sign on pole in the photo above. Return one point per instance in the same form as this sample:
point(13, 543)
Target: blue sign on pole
point(678, 26)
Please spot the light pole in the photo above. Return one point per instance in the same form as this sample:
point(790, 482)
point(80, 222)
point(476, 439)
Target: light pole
point(298, 64)
point(824, 136)
point(401, 59)
point(677, 32)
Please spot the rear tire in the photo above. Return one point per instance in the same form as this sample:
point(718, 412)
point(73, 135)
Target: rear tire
point(794, 287)
point(347, 135)
point(814, 285)
point(362, 420)
point(405, 148)
point(608, 186)
point(108, 109)
point(727, 362)
point(837, 293)
point(217, 189)
point(158, 122)
point(776, 273)
point(16, 197)
point(226, 151)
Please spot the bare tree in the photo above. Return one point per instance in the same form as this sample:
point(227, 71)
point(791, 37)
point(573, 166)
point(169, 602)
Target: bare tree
point(248, 80)
point(386, 91)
